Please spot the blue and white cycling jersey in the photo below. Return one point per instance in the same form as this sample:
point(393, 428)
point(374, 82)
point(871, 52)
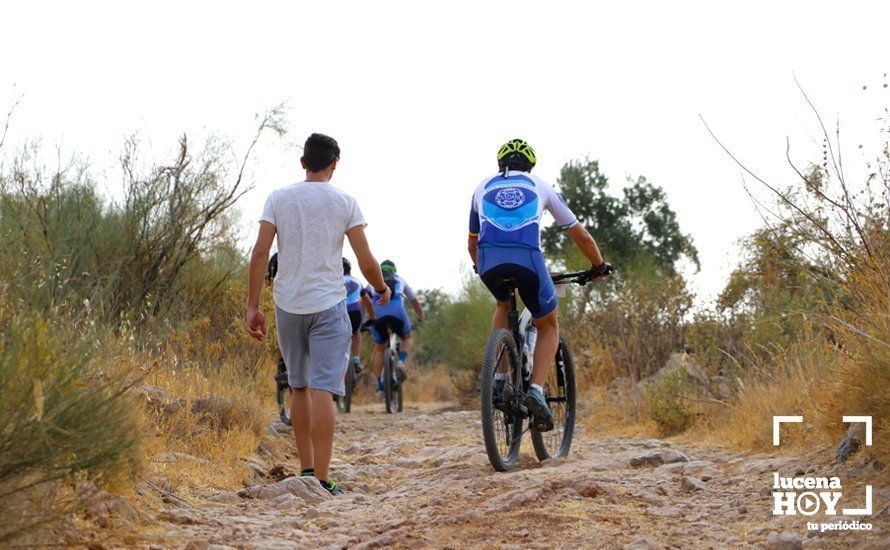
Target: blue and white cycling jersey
point(354, 293)
point(393, 314)
point(396, 302)
point(506, 211)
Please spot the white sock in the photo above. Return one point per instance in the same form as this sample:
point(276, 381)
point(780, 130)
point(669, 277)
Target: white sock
point(537, 387)
point(500, 376)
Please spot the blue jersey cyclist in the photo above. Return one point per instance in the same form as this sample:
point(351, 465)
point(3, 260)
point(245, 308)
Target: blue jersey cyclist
point(504, 242)
point(393, 318)
point(357, 298)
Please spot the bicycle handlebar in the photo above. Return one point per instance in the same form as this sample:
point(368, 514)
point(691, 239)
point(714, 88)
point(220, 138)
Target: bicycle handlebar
point(580, 278)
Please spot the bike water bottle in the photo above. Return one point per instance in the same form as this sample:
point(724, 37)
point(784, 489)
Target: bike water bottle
point(531, 337)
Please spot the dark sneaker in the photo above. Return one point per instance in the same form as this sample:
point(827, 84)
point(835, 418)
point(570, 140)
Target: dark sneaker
point(401, 371)
point(542, 418)
point(358, 368)
point(331, 487)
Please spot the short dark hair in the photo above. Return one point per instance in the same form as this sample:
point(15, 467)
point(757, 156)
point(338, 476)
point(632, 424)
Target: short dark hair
point(320, 151)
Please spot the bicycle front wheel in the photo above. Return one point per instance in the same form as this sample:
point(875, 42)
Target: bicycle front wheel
point(559, 391)
point(391, 388)
point(501, 422)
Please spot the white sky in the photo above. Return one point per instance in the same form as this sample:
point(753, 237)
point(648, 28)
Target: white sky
point(420, 96)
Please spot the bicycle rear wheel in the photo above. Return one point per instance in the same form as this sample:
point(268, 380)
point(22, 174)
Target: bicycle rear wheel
point(284, 396)
point(350, 385)
point(391, 388)
point(559, 390)
point(501, 425)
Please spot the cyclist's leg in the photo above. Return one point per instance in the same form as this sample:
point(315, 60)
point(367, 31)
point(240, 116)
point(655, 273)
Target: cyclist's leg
point(403, 329)
point(495, 265)
point(539, 295)
point(378, 333)
point(499, 319)
point(545, 347)
point(355, 318)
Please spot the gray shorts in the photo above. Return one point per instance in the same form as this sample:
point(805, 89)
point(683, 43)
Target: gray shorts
point(315, 347)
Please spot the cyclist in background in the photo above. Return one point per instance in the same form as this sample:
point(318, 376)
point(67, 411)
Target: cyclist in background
point(357, 298)
point(394, 318)
point(504, 242)
point(271, 272)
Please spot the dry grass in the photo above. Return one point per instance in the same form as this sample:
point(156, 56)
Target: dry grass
point(206, 421)
point(618, 410)
point(800, 386)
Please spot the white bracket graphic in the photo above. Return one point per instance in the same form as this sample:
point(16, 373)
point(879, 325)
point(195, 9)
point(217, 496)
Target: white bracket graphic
point(867, 421)
point(861, 511)
point(779, 420)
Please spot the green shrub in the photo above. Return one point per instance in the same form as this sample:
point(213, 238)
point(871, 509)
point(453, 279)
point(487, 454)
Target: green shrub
point(63, 419)
point(669, 404)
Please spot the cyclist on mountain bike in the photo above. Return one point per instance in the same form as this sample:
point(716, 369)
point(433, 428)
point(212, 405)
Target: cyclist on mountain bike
point(357, 298)
point(393, 317)
point(504, 242)
point(271, 272)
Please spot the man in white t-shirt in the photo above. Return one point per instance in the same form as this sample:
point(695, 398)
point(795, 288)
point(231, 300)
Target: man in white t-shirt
point(310, 219)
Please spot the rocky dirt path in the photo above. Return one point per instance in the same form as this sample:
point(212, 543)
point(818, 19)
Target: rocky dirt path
point(421, 479)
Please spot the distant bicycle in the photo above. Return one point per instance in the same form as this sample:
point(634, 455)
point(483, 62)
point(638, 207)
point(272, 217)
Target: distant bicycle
point(392, 386)
point(504, 412)
point(282, 392)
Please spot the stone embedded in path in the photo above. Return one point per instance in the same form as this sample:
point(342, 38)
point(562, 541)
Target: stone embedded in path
point(663, 511)
point(783, 541)
point(663, 456)
point(690, 484)
point(307, 489)
point(224, 497)
point(704, 470)
point(642, 543)
point(180, 516)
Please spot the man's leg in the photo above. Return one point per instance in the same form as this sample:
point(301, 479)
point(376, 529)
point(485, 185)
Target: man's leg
point(293, 342)
point(322, 430)
point(329, 338)
point(301, 417)
point(545, 347)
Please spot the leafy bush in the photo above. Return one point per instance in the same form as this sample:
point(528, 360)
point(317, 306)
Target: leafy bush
point(668, 400)
point(455, 334)
point(66, 415)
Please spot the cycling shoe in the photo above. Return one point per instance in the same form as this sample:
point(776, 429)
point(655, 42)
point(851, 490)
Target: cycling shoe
point(401, 371)
point(542, 418)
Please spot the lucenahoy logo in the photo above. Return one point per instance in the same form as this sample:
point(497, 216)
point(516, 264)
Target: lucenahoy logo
point(510, 198)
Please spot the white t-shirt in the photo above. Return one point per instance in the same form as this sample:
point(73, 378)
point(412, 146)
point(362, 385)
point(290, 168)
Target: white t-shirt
point(311, 220)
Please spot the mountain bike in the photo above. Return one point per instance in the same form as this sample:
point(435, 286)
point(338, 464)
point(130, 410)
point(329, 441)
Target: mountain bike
point(344, 404)
point(392, 387)
point(282, 392)
point(504, 414)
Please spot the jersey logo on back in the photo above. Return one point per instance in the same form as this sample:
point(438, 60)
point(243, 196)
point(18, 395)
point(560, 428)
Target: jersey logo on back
point(509, 198)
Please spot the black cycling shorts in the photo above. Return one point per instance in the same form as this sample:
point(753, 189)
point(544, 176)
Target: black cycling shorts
point(355, 318)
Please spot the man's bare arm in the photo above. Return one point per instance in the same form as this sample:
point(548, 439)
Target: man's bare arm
point(367, 263)
point(259, 258)
point(582, 239)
